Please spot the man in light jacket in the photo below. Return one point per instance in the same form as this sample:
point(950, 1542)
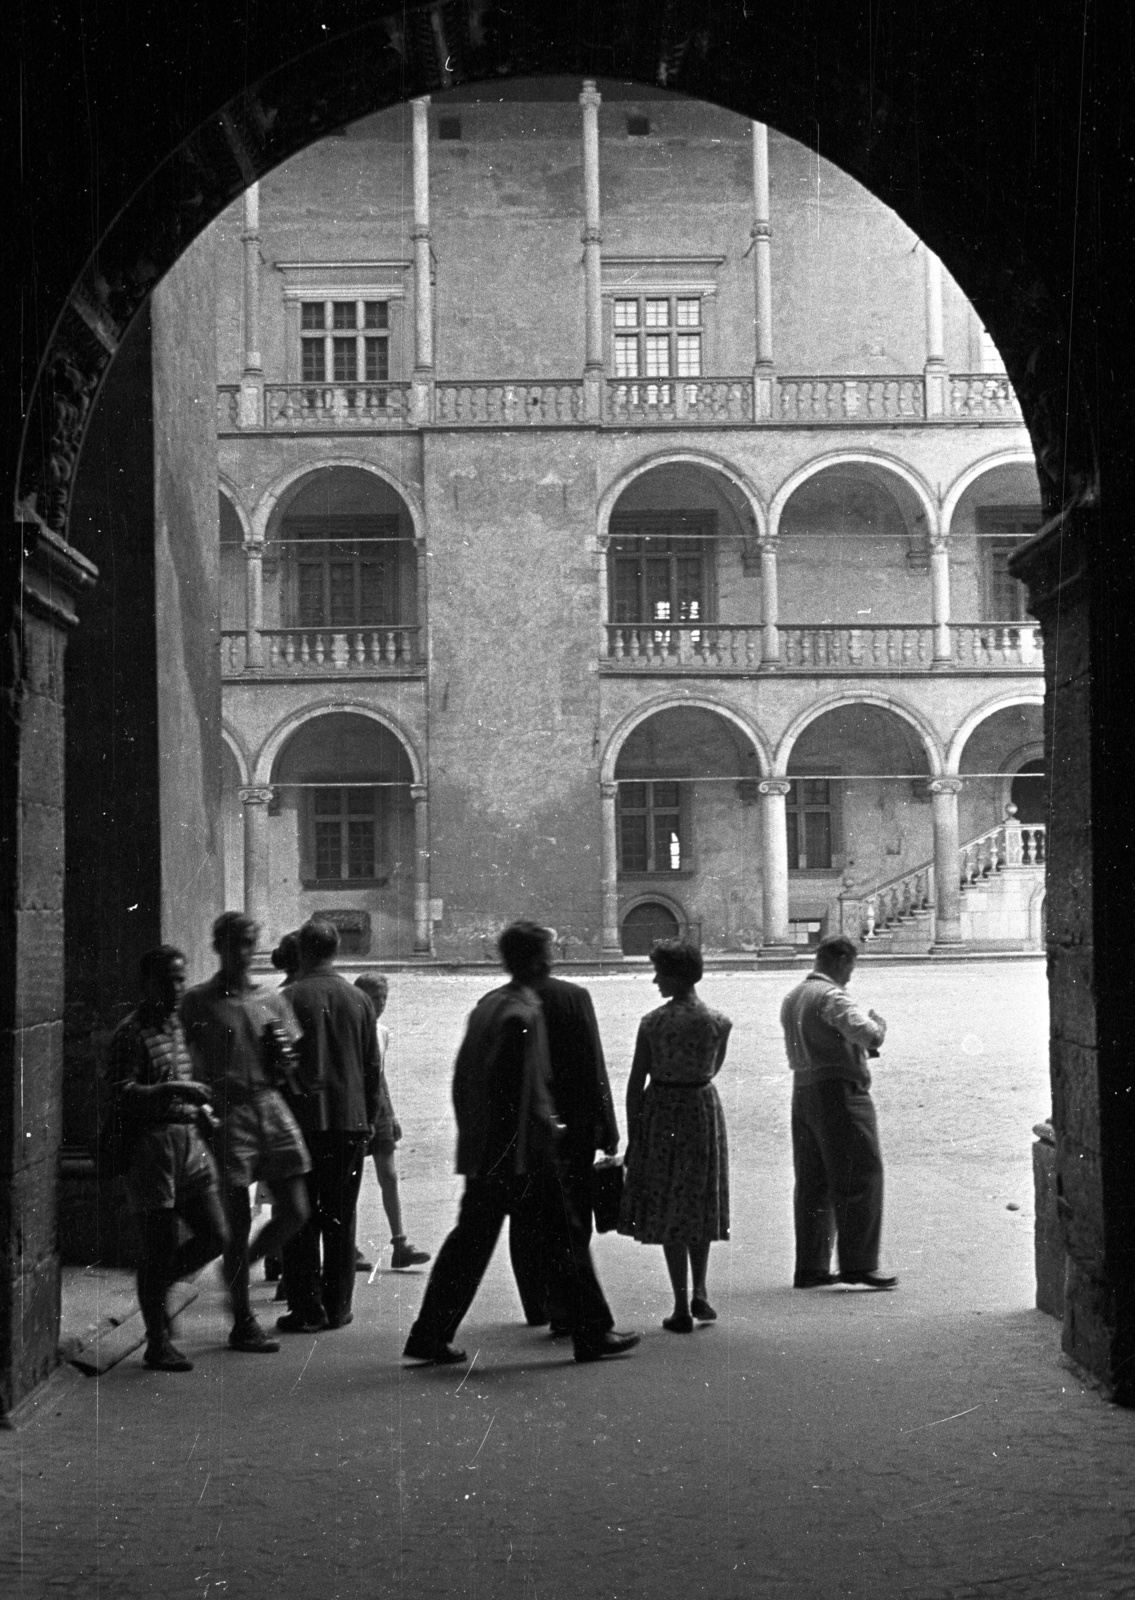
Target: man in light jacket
point(835, 1137)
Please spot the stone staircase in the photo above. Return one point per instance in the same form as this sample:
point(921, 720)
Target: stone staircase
point(1001, 876)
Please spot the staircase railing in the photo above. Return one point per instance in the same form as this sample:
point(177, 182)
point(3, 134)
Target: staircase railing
point(865, 912)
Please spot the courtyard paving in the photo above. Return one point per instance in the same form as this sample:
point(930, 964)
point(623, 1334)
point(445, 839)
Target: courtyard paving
point(929, 1443)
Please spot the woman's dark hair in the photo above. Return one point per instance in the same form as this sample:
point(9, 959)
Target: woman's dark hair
point(678, 959)
point(286, 955)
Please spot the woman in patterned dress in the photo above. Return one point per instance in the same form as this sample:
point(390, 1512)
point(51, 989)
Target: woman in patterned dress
point(677, 1166)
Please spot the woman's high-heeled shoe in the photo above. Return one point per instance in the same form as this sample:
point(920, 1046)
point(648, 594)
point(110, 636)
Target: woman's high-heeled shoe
point(680, 1322)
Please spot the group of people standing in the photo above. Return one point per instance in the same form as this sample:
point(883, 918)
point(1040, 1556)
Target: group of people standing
point(288, 1085)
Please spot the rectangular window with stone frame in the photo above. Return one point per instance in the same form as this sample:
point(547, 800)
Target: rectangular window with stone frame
point(657, 337)
point(343, 571)
point(342, 836)
point(1000, 530)
point(346, 342)
point(652, 828)
point(812, 819)
point(660, 568)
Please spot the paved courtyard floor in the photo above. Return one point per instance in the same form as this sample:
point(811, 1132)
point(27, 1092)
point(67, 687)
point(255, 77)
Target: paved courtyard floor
point(928, 1443)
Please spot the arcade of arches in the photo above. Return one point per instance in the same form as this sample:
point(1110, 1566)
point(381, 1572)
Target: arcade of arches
point(63, 546)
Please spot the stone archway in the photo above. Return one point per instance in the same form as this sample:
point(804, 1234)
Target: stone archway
point(895, 120)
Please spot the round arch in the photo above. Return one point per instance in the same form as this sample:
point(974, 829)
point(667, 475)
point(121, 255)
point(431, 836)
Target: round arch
point(282, 732)
point(272, 496)
point(1000, 702)
point(654, 897)
point(883, 702)
point(226, 487)
point(976, 471)
point(669, 458)
point(668, 702)
point(856, 458)
point(236, 747)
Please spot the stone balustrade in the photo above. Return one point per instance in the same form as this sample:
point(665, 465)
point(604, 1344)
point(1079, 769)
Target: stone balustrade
point(507, 404)
point(335, 405)
point(697, 402)
point(983, 396)
point(988, 645)
point(1009, 844)
point(878, 646)
point(851, 397)
point(864, 914)
point(354, 650)
point(703, 646)
point(837, 398)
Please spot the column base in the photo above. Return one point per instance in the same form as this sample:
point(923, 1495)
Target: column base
point(779, 952)
point(948, 947)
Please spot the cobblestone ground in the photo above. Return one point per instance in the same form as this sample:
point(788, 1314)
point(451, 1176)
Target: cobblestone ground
point(928, 1443)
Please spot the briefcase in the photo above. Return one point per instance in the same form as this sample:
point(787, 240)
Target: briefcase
point(606, 1193)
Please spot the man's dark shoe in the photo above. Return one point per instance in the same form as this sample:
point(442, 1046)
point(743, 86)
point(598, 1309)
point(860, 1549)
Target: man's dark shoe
point(361, 1262)
point(166, 1358)
point(419, 1348)
point(608, 1344)
point(814, 1280)
point(560, 1330)
point(250, 1337)
point(297, 1322)
point(870, 1280)
point(405, 1254)
point(340, 1322)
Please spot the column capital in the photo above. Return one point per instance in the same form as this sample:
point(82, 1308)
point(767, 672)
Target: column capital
point(256, 794)
point(419, 793)
point(591, 235)
point(589, 95)
point(760, 230)
point(420, 230)
point(253, 548)
point(774, 786)
point(422, 100)
point(609, 791)
point(945, 786)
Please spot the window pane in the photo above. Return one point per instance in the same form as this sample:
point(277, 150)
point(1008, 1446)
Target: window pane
point(376, 314)
point(360, 802)
point(360, 849)
point(632, 843)
point(377, 360)
point(793, 841)
point(309, 594)
point(327, 850)
point(815, 792)
point(342, 608)
point(666, 796)
point(626, 594)
point(657, 355)
point(626, 357)
point(632, 796)
point(626, 313)
point(657, 588)
point(345, 357)
point(818, 838)
point(312, 314)
point(658, 313)
point(373, 604)
point(688, 582)
point(343, 314)
point(313, 367)
point(328, 802)
point(1006, 595)
point(667, 845)
point(689, 314)
point(689, 355)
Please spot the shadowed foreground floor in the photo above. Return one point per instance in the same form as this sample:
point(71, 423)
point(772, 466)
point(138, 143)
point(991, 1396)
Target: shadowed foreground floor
point(927, 1443)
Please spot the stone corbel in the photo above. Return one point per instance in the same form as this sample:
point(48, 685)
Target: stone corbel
point(52, 573)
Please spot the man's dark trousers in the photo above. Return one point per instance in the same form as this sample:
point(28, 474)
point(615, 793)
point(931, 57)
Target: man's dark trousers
point(333, 1190)
point(539, 1200)
point(540, 1295)
point(839, 1176)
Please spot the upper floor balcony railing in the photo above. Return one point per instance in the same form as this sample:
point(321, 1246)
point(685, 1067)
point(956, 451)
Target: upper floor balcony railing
point(838, 400)
point(306, 652)
point(879, 648)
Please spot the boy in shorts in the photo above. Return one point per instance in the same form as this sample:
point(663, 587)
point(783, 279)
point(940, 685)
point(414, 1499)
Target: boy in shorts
point(387, 1132)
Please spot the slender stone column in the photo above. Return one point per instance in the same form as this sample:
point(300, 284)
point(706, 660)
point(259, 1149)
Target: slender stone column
point(423, 928)
point(253, 603)
point(422, 384)
point(592, 236)
point(761, 235)
point(940, 601)
point(774, 866)
point(935, 369)
point(256, 801)
point(770, 602)
point(611, 944)
point(947, 884)
point(252, 377)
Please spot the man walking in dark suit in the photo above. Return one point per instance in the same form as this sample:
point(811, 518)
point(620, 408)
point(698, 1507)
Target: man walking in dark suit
point(336, 1106)
point(581, 1094)
point(506, 1131)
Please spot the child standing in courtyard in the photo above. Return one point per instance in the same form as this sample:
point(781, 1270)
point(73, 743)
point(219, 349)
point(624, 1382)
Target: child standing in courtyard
point(387, 1133)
